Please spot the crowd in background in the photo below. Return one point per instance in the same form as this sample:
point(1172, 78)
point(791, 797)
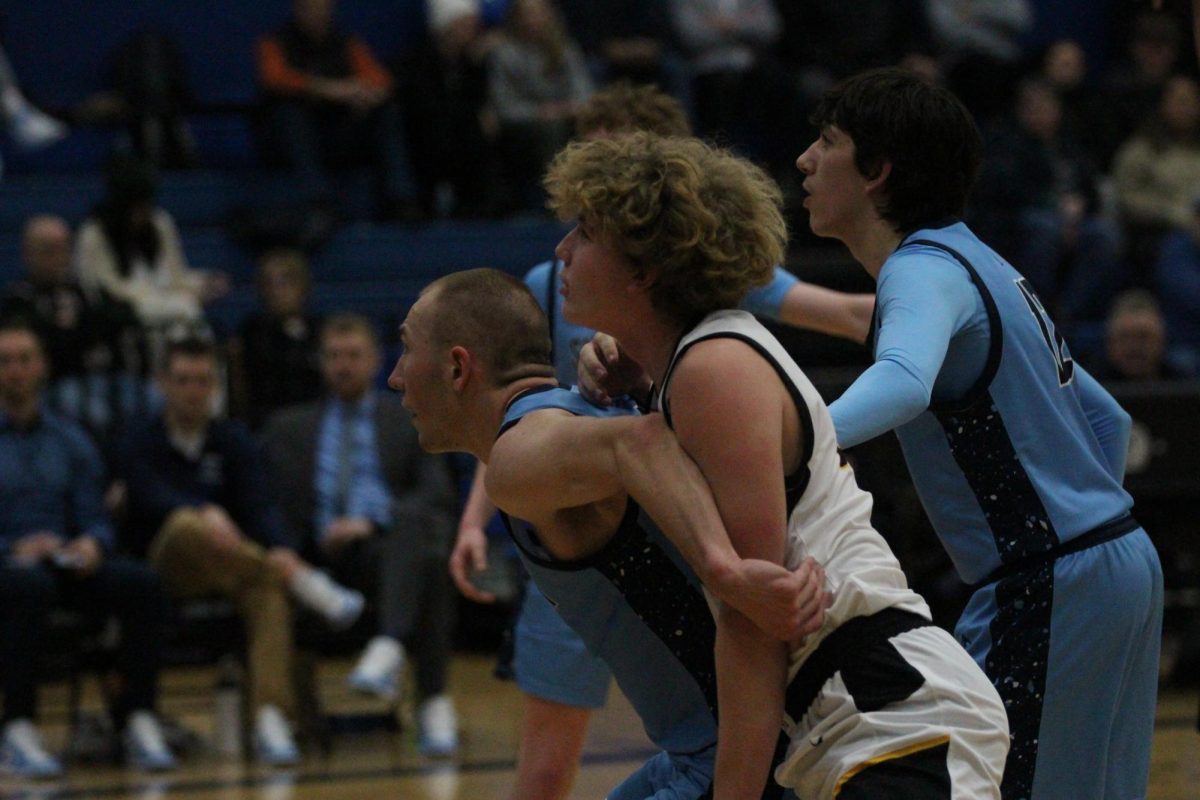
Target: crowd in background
point(1090, 187)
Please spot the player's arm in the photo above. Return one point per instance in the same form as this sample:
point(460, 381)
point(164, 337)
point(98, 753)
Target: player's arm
point(1110, 423)
point(803, 305)
point(469, 555)
point(728, 412)
point(828, 311)
point(553, 460)
point(921, 306)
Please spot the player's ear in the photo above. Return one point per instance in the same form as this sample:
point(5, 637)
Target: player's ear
point(876, 182)
point(462, 364)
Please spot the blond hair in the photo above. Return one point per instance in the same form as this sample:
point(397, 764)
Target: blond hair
point(625, 108)
point(705, 224)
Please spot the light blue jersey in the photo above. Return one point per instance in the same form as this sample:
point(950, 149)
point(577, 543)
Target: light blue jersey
point(637, 605)
point(1018, 457)
point(567, 339)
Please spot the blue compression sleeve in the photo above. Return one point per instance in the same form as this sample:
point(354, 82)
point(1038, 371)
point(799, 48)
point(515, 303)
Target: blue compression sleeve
point(1110, 423)
point(923, 300)
point(766, 301)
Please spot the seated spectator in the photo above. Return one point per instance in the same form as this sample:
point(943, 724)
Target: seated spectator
point(273, 357)
point(452, 134)
point(632, 40)
point(537, 80)
point(147, 90)
point(28, 126)
point(1177, 281)
point(744, 96)
point(129, 252)
point(328, 102)
point(1157, 173)
point(1085, 118)
point(199, 508)
point(55, 542)
point(366, 500)
point(1038, 200)
point(1131, 88)
point(826, 41)
point(83, 338)
point(980, 46)
point(1135, 341)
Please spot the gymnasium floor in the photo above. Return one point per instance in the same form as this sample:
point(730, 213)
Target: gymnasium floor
point(376, 764)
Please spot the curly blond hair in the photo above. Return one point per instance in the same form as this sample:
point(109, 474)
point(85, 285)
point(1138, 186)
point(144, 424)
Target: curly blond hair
point(705, 224)
point(624, 108)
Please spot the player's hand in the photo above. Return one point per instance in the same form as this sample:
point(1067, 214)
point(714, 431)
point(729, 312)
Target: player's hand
point(786, 604)
point(606, 371)
point(468, 558)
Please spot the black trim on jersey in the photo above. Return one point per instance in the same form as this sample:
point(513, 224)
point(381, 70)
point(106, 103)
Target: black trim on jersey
point(525, 393)
point(655, 589)
point(797, 482)
point(625, 529)
point(1016, 665)
point(923, 775)
point(872, 668)
point(982, 448)
point(870, 342)
point(995, 330)
point(1113, 529)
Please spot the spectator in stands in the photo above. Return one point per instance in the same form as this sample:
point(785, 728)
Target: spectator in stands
point(1177, 280)
point(537, 80)
point(452, 133)
point(1037, 199)
point(28, 126)
point(726, 43)
point(273, 357)
point(366, 500)
point(129, 252)
point(1131, 89)
point(55, 542)
point(1157, 173)
point(148, 91)
point(82, 338)
point(828, 40)
point(329, 102)
point(632, 40)
point(199, 507)
point(1135, 341)
point(1064, 67)
point(979, 43)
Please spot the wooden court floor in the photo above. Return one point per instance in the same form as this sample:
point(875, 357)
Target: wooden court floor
point(370, 763)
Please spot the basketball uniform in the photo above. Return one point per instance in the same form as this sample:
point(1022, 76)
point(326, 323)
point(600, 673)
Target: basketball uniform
point(1026, 497)
point(879, 682)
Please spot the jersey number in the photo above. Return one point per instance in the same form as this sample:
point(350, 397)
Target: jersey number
point(1054, 340)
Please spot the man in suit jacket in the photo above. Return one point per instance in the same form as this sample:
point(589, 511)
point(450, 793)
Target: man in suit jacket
point(364, 499)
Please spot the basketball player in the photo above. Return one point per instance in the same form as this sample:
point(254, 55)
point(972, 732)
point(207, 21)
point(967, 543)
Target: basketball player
point(562, 682)
point(1016, 452)
point(878, 699)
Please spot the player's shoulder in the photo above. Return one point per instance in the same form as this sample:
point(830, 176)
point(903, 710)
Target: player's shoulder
point(539, 274)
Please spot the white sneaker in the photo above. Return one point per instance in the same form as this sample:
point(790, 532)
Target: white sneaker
point(23, 754)
point(378, 669)
point(273, 741)
point(338, 605)
point(145, 746)
point(30, 127)
point(438, 724)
